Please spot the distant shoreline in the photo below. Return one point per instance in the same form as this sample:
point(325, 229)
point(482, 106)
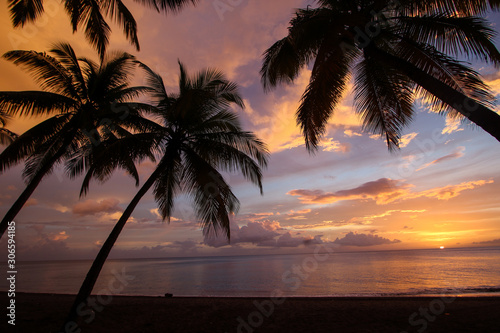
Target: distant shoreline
point(45, 312)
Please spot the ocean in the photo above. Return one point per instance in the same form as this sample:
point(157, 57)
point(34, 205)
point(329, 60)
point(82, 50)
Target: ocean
point(467, 271)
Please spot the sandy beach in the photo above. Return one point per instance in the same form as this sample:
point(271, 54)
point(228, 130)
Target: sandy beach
point(45, 312)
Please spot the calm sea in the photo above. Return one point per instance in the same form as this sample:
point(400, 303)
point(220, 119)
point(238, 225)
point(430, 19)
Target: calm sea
point(390, 273)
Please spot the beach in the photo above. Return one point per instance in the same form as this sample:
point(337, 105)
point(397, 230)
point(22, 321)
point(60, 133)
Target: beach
point(45, 313)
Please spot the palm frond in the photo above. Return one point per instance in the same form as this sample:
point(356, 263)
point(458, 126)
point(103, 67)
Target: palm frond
point(221, 121)
point(117, 10)
point(284, 60)
point(35, 103)
point(469, 36)
point(213, 198)
point(96, 29)
point(24, 11)
point(166, 6)
point(67, 56)
point(48, 72)
point(126, 94)
point(228, 157)
point(384, 98)
point(452, 72)
point(31, 140)
point(46, 156)
point(168, 183)
point(113, 74)
point(154, 81)
point(451, 7)
point(281, 64)
point(100, 161)
point(329, 78)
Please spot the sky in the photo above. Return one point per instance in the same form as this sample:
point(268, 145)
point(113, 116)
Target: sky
point(440, 189)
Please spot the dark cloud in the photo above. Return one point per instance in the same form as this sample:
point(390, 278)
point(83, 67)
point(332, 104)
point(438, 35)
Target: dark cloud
point(355, 239)
point(259, 233)
point(287, 240)
point(490, 242)
point(264, 234)
point(47, 245)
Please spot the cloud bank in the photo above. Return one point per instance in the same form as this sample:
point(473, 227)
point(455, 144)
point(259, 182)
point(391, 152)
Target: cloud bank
point(361, 240)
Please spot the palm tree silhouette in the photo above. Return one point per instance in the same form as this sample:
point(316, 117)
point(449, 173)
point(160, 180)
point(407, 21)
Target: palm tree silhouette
point(89, 15)
point(396, 51)
point(87, 105)
point(6, 136)
point(198, 136)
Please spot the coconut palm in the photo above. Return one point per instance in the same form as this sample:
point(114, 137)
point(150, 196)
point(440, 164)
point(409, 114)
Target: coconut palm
point(6, 136)
point(90, 15)
point(85, 104)
point(396, 51)
point(199, 136)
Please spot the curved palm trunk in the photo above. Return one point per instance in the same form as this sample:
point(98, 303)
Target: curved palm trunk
point(92, 275)
point(28, 191)
point(482, 116)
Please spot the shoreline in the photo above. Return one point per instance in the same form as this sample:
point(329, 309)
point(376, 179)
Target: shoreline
point(46, 312)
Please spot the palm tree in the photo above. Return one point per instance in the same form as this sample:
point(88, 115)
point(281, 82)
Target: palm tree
point(396, 54)
point(6, 136)
point(198, 136)
point(85, 104)
point(89, 15)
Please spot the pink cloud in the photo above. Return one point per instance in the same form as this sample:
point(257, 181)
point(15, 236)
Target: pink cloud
point(92, 207)
point(384, 191)
point(459, 152)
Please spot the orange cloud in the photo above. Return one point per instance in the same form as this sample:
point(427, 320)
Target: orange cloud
point(278, 127)
point(60, 236)
point(369, 219)
point(92, 207)
point(159, 218)
point(350, 133)
point(450, 191)
point(31, 202)
point(334, 146)
point(406, 139)
point(452, 125)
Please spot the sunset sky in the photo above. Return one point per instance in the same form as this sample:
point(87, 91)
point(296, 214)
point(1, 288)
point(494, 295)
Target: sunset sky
point(440, 189)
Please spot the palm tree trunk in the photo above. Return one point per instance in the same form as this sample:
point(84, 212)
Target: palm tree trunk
point(28, 191)
point(92, 275)
point(482, 116)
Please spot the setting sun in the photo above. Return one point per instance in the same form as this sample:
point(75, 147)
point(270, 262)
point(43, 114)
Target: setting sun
point(441, 247)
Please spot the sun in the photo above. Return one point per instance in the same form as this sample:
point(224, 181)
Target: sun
point(441, 247)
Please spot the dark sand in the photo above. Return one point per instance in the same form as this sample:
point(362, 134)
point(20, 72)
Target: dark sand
point(45, 313)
